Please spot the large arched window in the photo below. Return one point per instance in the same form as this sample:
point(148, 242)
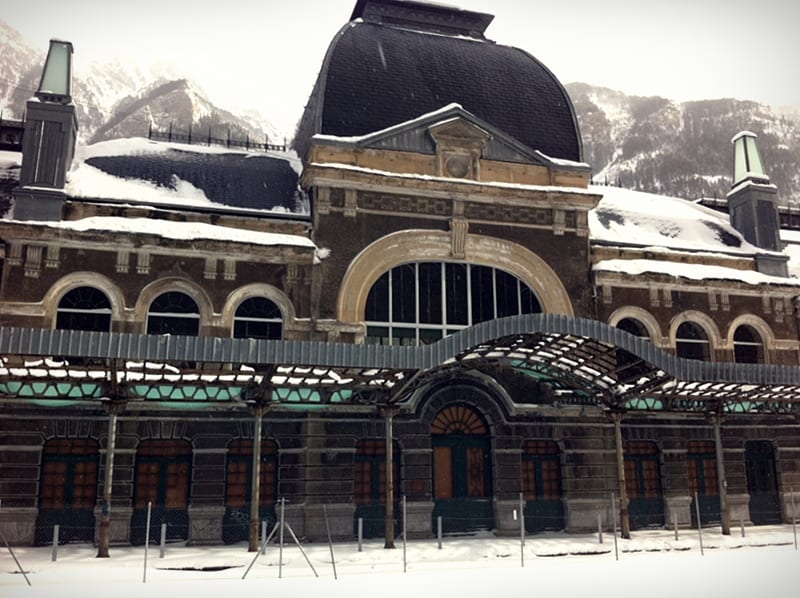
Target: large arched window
point(258, 317)
point(629, 366)
point(84, 308)
point(747, 345)
point(173, 313)
point(421, 302)
point(691, 342)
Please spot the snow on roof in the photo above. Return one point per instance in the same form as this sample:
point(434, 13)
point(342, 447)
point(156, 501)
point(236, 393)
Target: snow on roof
point(429, 177)
point(139, 170)
point(87, 181)
point(10, 160)
point(691, 271)
point(627, 217)
point(133, 146)
point(170, 229)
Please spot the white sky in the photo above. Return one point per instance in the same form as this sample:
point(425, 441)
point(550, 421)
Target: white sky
point(265, 54)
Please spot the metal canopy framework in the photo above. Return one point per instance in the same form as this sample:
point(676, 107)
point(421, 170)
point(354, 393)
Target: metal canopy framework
point(581, 362)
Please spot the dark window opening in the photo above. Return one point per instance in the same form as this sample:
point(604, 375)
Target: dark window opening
point(691, 342)
point(747, 346)
point(84, 308)
point(173, 313)
point(258, 317)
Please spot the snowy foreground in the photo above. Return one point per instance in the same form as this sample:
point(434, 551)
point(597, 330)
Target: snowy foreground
point(764, 564)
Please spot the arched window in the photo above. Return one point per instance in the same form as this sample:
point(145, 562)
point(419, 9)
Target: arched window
point(84, 308)
point(691, 342)
point(629, 366)
point(421, 302)
point(634, 327)
point(173, 313)
point(258, 317)
point(747, 345)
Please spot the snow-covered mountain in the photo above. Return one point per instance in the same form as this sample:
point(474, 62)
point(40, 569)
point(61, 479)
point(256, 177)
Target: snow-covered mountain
point(119, 100)
point(682, 148)
point(647, 143)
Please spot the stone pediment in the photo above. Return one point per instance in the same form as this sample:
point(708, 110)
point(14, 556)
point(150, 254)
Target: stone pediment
point(452, 128)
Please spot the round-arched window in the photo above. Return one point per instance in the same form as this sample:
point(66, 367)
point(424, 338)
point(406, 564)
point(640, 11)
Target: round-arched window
point(258, 317)
point(691, 342)
point(747, 345)
point(84, 308)
point(173, 313)
point(422, 302)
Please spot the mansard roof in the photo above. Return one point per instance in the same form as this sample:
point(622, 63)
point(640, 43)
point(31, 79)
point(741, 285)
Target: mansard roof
point(377, 74)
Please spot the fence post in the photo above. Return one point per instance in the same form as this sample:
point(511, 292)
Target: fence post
point(439, 530)
point(360, 532)
point(146, 541)
point(405, 526)
point(741, 524)
point(614, 518)
point(599, 528)
point(794, 519)
point(163, 548)
point(280, 546)
point(522, 529)
point(54, 554)
point(263, 537)
point(330, 542)
point(699, 523)
point(675, 524)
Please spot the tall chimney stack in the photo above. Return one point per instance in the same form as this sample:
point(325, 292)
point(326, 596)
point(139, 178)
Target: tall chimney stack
point(753, 204)
point(49, 142)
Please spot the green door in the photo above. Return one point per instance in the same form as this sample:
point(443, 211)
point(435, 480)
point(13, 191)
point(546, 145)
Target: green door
point(762, 482)
point(163, 472)
point(462, 471)
point(643, 485)
point(701, 461)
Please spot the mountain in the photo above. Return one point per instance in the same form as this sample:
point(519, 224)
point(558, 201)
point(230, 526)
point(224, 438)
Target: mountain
point(648, 143)
point(682, 148)
point(120, 100)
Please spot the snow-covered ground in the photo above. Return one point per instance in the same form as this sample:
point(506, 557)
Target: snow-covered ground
point(763, 564)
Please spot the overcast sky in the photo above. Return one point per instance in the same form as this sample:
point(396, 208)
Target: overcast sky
point(265, 54)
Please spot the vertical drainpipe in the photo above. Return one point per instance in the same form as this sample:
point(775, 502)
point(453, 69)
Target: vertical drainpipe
point(724, 512)
point(625, 525)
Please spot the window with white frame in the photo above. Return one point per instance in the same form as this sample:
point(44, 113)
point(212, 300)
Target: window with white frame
point(258, 317)
point(84, 308)
point(421, 302)
point(173, 313)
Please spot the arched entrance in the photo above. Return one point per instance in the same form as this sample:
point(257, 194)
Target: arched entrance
point(462, 470)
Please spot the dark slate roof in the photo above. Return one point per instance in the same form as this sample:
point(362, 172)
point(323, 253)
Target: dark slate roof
point(235, 179)
point(378, 75)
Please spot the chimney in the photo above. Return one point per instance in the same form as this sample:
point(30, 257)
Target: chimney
point(49, 142)
point(753, 204)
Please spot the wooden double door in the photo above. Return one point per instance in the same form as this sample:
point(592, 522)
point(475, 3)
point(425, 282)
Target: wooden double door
point(462, 471)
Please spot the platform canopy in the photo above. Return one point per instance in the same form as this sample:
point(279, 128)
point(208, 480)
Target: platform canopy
point(571, 361)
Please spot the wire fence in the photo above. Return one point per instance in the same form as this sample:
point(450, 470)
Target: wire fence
point(196, 138)
point(76, 526)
